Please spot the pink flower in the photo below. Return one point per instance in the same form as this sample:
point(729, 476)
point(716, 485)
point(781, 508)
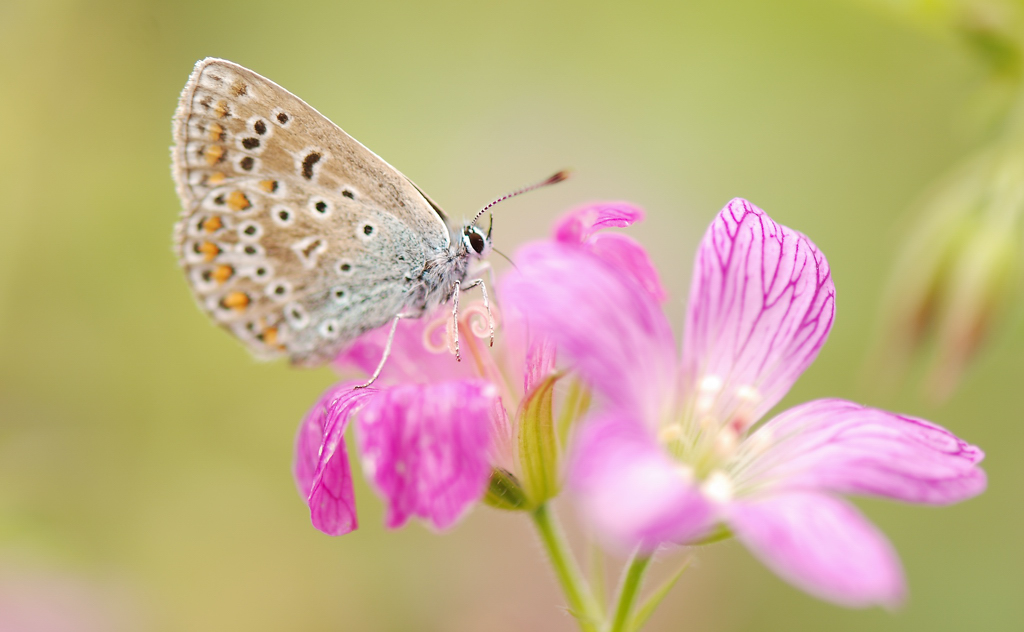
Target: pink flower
point(433, 430)
point(423, 448)
point(672, 457)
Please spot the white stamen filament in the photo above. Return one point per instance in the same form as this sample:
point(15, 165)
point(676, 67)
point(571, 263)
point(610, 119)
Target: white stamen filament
point(430, 339)
point(758, 442)
point(475, 316)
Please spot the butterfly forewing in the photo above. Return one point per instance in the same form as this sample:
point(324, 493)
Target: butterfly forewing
point(294, 236)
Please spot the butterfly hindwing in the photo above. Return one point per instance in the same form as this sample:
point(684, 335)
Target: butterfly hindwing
point(294, 236)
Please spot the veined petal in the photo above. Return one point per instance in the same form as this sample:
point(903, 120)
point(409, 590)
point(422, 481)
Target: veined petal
point(821, 545)
point(539, 363)
point(611, 329)
point(577, 225)
point(836, 445)
point(631, 490)
point(321, 468)
point(424, 448)
point(761, 306)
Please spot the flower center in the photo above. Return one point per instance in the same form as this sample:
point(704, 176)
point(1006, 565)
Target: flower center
point(709, 434)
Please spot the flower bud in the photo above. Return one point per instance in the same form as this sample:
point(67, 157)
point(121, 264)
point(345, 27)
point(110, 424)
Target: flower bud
point(505, 492)
point(956, 275)
point(538, 443)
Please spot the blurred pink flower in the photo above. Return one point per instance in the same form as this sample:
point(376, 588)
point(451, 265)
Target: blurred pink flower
point(671, 457)
point(431, 430)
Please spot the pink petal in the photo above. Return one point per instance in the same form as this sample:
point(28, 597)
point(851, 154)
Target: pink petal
point(840, 446)
point(580, 226)
point(424, 448)
point(631, 490)
point(823, 546)
point(419, 352)
point(626, 254)
point(576, 226)
point(321, 467)
point(539, 363)
point(610, 329)
point(761, 306)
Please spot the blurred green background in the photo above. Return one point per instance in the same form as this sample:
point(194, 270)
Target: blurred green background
point(144, 457)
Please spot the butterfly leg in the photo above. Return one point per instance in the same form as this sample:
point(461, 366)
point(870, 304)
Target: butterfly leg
point(455, 319)
point(455, 311)
point(387, 350)
point(486, 266)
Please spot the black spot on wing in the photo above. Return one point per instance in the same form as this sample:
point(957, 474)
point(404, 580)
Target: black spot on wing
point(311, 159)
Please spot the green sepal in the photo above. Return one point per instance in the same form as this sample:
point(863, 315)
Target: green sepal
point(574, 406)
point(538, 443)
point(505, 492)
point(718, 534)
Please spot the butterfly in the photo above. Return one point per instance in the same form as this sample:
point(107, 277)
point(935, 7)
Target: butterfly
point(295, 237)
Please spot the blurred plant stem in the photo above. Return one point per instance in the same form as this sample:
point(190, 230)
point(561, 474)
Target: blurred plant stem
point(585, 599)
point(577, 592)
point(622, 616)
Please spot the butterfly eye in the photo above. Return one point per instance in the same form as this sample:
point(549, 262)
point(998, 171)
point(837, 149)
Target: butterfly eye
point(475, 240)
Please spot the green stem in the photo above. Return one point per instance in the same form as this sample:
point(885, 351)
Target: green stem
point(628, 593)
point(647, 607)
point(577, 593)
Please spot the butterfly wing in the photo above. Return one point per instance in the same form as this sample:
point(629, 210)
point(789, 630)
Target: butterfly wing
point(294, 237)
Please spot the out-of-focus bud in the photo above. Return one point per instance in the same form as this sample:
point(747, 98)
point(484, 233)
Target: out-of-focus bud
point(505, 492)
point(980, 287)
point(958, 271)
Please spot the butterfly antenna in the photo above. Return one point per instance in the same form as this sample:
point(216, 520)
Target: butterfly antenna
point(506, 258)
point(558, 177)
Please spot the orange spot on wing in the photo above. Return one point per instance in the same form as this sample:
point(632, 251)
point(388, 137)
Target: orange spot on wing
point(235, 300)
point(214, 154)
point(269, 336)
point(222, 273)
point(222, 109)
point(212, 224)
point(268, 186)
point(216, 179)
point(209, 250)
point(237, 201)
point(216, 131)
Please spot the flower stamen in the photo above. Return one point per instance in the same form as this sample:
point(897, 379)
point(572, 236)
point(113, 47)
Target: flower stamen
point(726, 441)
point(718, 487)
point(670, 433)
point(431, 341)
